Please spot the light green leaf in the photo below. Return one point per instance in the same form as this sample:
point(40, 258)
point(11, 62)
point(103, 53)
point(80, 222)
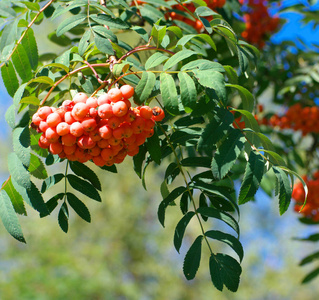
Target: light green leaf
point(37, 168)
point(169, 93)
point(154, 60)
point(30, 46)
point(115, 23)
point(10, 116)
point(144, 88)
point(18, 172)
point(178, 57)
point(21, 63)
point(70, 23)
point(246, 96)
point(188, 91)
point(9, 78)
point(21, 144)
point(103, 44)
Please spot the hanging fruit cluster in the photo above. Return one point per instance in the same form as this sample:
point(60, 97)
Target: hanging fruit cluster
point(259, 23)
point(104, 130)
point(297, 117)
point(197, 24)
point(311, 208)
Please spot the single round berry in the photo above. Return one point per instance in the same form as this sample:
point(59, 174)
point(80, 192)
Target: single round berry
point(63, 128)
point(80, 98)
point(105, 111)
point(127, 91)
point(44, 111)
point(119, 109)
point(76, 129)
point(115, 94)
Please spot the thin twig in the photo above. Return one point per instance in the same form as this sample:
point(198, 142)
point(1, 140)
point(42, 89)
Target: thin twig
point(28, 27)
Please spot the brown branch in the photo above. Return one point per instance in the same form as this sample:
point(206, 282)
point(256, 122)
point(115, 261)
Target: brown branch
point(68, 75)
point(28, 27)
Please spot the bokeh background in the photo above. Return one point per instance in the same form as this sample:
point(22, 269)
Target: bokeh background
point(126, 254)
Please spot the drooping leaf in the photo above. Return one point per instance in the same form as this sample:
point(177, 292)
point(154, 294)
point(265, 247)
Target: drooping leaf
point(153, 147)
point(169, 93)
point(10, 116)
point(9, 218)
point(9, 78)
point(51, 181)
point(144, 88)
point(313, 274)
point(285, 189)
point(227, 154)
point(252, 177)
point(86, 173)
point(18, 172)
point(21, 63)
point(246, 96)
point(52, 203)
point(21, 144)
point(63, 217)
point(84, 187)
point(106, 33)
point(170, 198)
point(138, 161)
point(79, 207)
point(115, 23)
point(30, 46)
point(37, 168)
point(36, 200)
point(188, 91)
point(15, 197)
point(227, 239)
point(84, 42)
point(192, 259)
point(180, 229)
point(103, 44)
point(215, 130)
point(310, 258)
point(70, 23)
point(224, 270)
point(201, 162)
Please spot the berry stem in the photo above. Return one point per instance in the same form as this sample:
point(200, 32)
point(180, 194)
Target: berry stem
point(24, 33)
point(94, 72)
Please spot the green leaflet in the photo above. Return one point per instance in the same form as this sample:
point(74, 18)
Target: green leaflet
point(84, 187)
point(10, 116)
point(310, 258)
point(63, 217)
point(9, 218)
point(180, 229)
point(37, 168)
point(214, 80)
point(158, 33)
point(70, 23)
point(252, 177)
point(36, 200)
point(154, 148)
point(188, 91)
point(227, 153)
point(215, 213)
point(115, 23)
point(313, 274)
point(285, 189)
point(79, 207)
point(15, 197)
point(10, 78)
point(154, 60)
point(224, 270)
point(86, 173)
point(228, 239)
point(176, 58)
point(21, 144)
point(246, 96)
point(22, 64)
point(144, 88)
point(30, 46)
point(84, 42)
point(51, 181)
point(106, 33)
point(169, 93)
point(103, 44)
point(192, 259)
point(170, 198)
point(18, 172)
point(215, 130)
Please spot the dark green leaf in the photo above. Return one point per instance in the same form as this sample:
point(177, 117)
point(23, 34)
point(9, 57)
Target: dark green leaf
point(188, 91)
point(215, 213)
point(106, 33)
point(144, 88)
point(310, 258)
point(103, 44)
point(153, 147)
point(63, 217)
point(246, 96)
point(203, 64)
point(310, 238)
point(285, 189)
point(9, 78)
point(36, 200)
point(79, 207)
point(192, 259)
point(52, 203)
point(170, 198)
point(15, 197)
point(224, 270)
point(51, 181)
point(84, 42)
point(180, 229)
point(203, 162)
point(9, 218)
point(115, 23)
point(169, 93)
point(30, 46)
point(61, 40)
point(252, 177)
point(84, 187)
point(176, 58)
point(227, 239)
point(69, 23)
point(138, 161)
point(313, 274)
point(227, 154)
point(86, 173)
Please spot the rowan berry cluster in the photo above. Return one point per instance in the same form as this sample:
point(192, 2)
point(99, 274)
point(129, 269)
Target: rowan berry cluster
point(259, 23)
point(297, 117)
point(104, 130)
point(311, 208)
point(197, 24)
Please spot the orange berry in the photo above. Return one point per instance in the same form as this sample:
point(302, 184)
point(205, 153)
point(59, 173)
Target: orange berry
point(115, 94)
point(127, 91)
point(80, 98)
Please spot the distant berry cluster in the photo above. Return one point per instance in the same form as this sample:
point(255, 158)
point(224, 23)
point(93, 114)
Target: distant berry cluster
point(259, 23)
point(297, 117)
point(311, 208)
point(104, 130)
